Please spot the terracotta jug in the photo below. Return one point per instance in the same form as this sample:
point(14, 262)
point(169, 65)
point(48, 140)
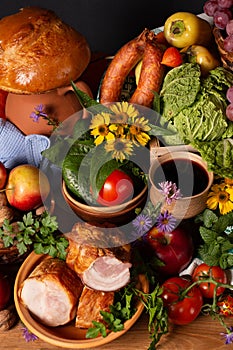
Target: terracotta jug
point(58, 104)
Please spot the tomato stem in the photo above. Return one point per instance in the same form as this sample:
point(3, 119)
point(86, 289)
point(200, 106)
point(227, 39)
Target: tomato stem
point(205, 280)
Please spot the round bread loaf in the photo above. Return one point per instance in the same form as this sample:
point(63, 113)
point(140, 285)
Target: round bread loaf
point(39, 52)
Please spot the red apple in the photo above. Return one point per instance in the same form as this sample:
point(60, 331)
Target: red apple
point(174, 249)
point(3, 175)
point(27, 187)
point(5, 291)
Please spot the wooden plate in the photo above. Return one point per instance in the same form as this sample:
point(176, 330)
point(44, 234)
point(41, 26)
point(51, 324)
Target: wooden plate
point(67, 336)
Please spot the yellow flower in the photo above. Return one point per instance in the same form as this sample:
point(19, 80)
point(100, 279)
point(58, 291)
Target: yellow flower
point(101, 129)
point(123, 111)
point(221, 195)
point(100, 119)
point(137, 131)
point(228, 181)
point(120, 148)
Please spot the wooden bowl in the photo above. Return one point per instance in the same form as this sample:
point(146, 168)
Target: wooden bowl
point(119, 214)
point(188, 205)
point(67, 336)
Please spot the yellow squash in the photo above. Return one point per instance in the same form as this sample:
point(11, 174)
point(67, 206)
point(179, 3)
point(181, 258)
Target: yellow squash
point(201, 55)
point(184, 29)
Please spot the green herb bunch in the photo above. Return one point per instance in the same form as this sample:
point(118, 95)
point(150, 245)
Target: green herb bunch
point(217, 235)
point(37, 232)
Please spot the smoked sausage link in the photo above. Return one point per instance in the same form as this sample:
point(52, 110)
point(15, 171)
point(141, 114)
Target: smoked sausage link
point(152, 73)
point(122, 63)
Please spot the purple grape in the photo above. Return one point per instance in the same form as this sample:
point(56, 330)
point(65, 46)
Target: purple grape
point(225, 4)
point(222, 17)
point(229, 27)
point(229, 112)
point(210, 7)
point(229, 94)
point(228, 43)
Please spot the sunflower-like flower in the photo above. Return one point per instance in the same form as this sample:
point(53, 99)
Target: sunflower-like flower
point(101, 128)
point(138, 131)
point(221, 196)
point(123, 111)
point(228, 181)
point(121, 148)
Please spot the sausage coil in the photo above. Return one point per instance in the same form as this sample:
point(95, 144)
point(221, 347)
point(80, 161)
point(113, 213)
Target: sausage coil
point(145, 47)
point(122, 63)
point(152, 73)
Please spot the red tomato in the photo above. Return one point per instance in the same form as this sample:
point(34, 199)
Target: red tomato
point(204, 271)
point(182, 309)
point(118, 187)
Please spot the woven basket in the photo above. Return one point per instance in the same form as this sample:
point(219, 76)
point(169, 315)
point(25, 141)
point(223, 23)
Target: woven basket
point(226, 57)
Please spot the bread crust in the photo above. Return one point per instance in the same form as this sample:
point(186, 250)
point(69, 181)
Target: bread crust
point(39, 52)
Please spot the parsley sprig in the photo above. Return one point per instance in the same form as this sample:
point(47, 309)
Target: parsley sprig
point(217, 246)
point(158, 317)
point(124, 308)
point(37, 231)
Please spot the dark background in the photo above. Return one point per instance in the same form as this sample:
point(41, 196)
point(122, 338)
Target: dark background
point(108, 24)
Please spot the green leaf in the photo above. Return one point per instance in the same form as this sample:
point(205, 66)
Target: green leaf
point(223, 222)
point(156, 102)
point(78, 182)
point(209, 218)
point(7, 241)
point(180, 88)
point(22, 248)
point(99, 328)
point(210, 253)
point(207, 235)
point(87, 102)
point(230, 261)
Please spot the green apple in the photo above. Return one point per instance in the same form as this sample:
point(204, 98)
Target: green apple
point(27, 187)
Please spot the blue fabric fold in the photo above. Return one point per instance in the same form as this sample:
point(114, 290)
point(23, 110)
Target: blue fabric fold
point(16, 148)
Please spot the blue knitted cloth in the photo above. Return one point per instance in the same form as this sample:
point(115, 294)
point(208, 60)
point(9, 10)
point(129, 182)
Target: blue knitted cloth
point(16, 148)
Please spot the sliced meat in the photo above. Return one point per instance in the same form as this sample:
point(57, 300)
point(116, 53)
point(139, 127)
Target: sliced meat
point(107, 273)
point(90, 304)
point(51, 292)
point(105, 269)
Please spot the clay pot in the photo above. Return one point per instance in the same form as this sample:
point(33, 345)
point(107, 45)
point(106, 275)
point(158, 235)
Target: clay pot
point(59, 104)
point(189, 205)
point(118, 215)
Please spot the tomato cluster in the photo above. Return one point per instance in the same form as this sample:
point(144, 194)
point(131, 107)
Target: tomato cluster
point(184, 297)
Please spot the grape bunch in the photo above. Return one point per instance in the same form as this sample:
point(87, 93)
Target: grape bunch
point(229, 109)
point(222, 13)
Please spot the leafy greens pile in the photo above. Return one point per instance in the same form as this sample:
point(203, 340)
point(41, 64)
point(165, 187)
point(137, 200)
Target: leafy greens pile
point(195, 107)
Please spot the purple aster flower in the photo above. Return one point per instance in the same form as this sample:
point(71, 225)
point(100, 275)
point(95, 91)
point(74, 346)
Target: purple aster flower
point(142, 223)
point(166, 222)
point(37, 113)
point(228, 336)
point(170, 191)
point(28, 336)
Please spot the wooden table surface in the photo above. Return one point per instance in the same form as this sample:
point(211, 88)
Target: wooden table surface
point(202, 334)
